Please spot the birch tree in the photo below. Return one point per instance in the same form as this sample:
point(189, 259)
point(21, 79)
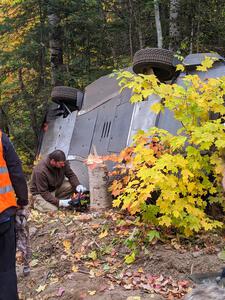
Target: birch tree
point(55, 47)
point(174, 31)
point(158, 24)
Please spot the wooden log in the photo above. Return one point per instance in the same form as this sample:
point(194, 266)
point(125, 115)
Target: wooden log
point(100, 198)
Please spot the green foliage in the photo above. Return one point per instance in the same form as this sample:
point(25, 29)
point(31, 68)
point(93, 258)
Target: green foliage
point(175, 173)
point(97, 37)
point(152, 234)
point(132, 240)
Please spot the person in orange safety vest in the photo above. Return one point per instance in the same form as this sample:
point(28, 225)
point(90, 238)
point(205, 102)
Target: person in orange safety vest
point(13, 198)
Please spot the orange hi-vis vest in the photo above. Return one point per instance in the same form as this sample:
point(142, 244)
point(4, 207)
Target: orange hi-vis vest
point(7, 195)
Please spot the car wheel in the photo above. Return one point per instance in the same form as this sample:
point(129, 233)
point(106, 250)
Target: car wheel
point(161, 61)
point(66, 95)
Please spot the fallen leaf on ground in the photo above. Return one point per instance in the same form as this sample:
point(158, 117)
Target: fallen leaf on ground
point(129, 259)
point(78, 255)
point(54, 280)
point(60, 292)
point(111, 287)
point(103, 234)
point(92, 274)
point(67, 245)
point(41, 288)
point(128, 286)
point(91, 293)
point(63, 257)
point(75, 269)
point(175, 244)
point(34, 262)
point(95, 226)
point(53, 231)
point(93, 255)
point(84, 218)
point(102, 288)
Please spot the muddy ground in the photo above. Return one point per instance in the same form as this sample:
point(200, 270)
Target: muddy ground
point(81, 256)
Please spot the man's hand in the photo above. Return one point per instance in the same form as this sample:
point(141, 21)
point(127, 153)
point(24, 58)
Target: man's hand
point(64, 203)
point(81, 189)
point(21, 216)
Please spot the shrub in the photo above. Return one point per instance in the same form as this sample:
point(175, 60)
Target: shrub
point(177, 170)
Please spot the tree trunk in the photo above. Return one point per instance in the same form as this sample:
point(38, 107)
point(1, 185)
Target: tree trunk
point(4, 124)
point(56, 52)
point(130, 29)
point(113, 51)
point(138, 24)
point(198, 28)
point(158, 24)
point(100, 199)
point(140, 35)
point(191, 37)
point(42, 80)
point(174, 28)
point(30, 105)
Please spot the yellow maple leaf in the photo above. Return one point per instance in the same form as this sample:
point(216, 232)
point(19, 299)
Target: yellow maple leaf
point(206, 64)
point(180, 67)
point(165, 220)
point(186, 174)
point(176, 213)
point(103, 234)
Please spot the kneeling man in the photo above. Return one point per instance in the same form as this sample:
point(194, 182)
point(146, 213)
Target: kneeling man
point(48, 184)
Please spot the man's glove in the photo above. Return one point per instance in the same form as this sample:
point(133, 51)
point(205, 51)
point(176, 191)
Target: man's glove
point(21, 216)
point(64, 203)
point(81, 189)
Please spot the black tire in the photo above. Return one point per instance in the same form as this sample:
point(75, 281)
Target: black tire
point(160, 60)
point(67, 95)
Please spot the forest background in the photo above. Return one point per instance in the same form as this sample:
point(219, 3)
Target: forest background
point(45, 43)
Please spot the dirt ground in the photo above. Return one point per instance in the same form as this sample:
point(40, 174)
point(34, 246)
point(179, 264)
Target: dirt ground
point(81, 256)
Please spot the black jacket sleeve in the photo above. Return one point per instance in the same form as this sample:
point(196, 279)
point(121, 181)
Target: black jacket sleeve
point(15, 171)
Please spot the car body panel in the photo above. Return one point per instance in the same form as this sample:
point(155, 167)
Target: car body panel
point(58, 135)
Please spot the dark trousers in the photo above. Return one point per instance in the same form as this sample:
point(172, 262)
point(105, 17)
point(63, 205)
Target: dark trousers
point(8, 280)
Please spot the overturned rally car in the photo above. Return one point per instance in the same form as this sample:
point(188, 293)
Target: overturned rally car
point(103, 117)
